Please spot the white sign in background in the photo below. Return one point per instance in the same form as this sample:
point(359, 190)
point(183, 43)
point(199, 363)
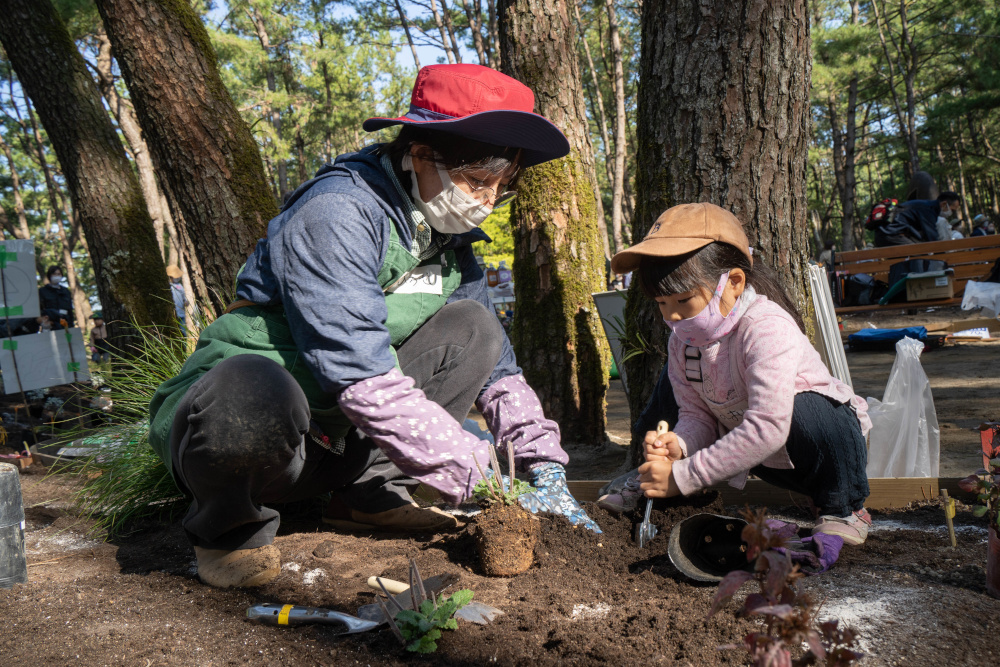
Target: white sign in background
point(44, 359)
point(19, 293)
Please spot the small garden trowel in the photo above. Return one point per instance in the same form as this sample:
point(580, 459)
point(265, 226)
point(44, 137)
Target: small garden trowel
point(645, 531)
point(293, 614)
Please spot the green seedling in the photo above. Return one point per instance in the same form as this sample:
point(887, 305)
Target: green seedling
point(419, 628)
point(985, 483)
point(491, 490)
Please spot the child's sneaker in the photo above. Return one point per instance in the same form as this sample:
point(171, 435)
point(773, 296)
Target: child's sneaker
point(625, 500)
point(853, 528)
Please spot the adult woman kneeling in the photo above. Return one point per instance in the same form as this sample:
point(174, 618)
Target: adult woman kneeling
point(362, 336)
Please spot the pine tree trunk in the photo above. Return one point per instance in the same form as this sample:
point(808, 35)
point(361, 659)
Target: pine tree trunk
point(449, 26)
point(157, 203)
point(67, 245)
point(444, 35)
point(723, 118)
point(131, 278)
point(21, 231)
point(409, 40)
point(558, 259)
point(618, 185)
point(491, 9)
point(598, 112)
point(475, 17)
point(201, 146)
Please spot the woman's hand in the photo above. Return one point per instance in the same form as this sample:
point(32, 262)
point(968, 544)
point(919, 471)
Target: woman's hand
point(657, 479)
point(662, 447)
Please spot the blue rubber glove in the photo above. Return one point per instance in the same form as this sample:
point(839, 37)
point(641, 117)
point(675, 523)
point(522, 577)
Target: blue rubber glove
point(552, 495)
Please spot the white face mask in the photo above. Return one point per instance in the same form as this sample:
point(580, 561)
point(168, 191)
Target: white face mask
point(58, 281)
point(450, 211)
point(945, 213)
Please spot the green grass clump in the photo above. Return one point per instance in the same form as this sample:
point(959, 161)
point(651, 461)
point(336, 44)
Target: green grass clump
point(124, 480)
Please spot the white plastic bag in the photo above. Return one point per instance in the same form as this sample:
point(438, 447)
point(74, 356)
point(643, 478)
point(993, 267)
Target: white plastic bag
point(982, 295)
point(905, 440)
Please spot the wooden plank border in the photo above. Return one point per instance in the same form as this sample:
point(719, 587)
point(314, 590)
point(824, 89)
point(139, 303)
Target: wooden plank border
point(886, 492)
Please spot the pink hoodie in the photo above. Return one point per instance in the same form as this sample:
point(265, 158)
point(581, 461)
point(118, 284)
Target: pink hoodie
point(740, 414)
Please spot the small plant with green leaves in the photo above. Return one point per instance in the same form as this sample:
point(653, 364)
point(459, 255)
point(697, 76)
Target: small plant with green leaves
point(419, 628)
point(985, 483)
point(505, 533)
point(632, 343)
point(491, 489)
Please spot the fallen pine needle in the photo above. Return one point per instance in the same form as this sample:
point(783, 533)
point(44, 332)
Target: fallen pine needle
point(54, 560)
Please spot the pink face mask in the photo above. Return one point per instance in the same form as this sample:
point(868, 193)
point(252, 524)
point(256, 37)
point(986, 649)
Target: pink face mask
point(710, 324)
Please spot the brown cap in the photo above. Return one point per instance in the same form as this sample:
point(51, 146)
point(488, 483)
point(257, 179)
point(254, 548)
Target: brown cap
point(683, 229)
point(173, 271)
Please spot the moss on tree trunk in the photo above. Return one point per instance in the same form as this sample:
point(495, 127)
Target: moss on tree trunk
point(559, 256)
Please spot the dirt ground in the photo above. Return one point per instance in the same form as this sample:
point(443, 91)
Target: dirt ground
point(587, 600)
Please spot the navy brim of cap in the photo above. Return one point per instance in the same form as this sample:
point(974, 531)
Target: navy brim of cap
point(684, 546)
point(540, 140)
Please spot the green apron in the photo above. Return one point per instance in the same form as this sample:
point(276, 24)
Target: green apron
point(264, 330)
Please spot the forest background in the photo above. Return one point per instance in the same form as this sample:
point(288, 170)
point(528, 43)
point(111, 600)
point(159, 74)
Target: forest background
point(896, 86)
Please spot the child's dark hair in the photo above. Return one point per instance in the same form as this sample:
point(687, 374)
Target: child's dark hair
point(664, 276)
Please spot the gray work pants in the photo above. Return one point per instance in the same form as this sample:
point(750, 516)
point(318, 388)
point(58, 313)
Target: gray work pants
point(239, 439)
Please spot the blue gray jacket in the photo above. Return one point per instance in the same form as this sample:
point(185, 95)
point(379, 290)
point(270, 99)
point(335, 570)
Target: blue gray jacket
point(321, 259)
point(916, 218)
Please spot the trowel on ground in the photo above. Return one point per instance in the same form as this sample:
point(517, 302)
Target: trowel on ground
point(474, 612)
point(293, 614)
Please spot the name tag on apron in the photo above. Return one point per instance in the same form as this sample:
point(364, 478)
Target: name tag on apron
point(421, 280)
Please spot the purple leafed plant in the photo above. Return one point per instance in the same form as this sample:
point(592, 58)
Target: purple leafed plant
point(790, 615)
point(986, 485)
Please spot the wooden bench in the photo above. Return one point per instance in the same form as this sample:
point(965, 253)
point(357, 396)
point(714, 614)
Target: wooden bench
point(971, 258)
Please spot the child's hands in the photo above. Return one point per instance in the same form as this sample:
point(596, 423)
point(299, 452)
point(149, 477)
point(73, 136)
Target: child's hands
point(660, 446)
point(657, 479)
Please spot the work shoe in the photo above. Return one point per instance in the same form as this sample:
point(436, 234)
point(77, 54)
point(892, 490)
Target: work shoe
point(625, 500)
point(242, 568)
point(406, 519)
point(853, 528)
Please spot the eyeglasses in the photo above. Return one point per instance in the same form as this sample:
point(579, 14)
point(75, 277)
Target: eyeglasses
point(485, 193)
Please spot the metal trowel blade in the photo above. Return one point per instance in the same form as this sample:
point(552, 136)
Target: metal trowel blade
point(434, 585)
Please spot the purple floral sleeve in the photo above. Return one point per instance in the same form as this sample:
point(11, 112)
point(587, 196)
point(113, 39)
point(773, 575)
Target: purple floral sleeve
point(423, 440)
point(513, 412)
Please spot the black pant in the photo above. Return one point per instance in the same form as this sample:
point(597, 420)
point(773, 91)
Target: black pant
point(829, 454)
point(238, 440)
point(825, 445)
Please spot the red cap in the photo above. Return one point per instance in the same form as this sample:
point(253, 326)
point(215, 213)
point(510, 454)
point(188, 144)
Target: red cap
point(482, 104)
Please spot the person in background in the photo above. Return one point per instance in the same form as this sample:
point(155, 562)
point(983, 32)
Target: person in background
point(99, 348)
point(55, 300)
point(948, 220)
point(981, 226)
point(915, 221)
point(956, 231)
point(177, 292)
point(826, 255)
